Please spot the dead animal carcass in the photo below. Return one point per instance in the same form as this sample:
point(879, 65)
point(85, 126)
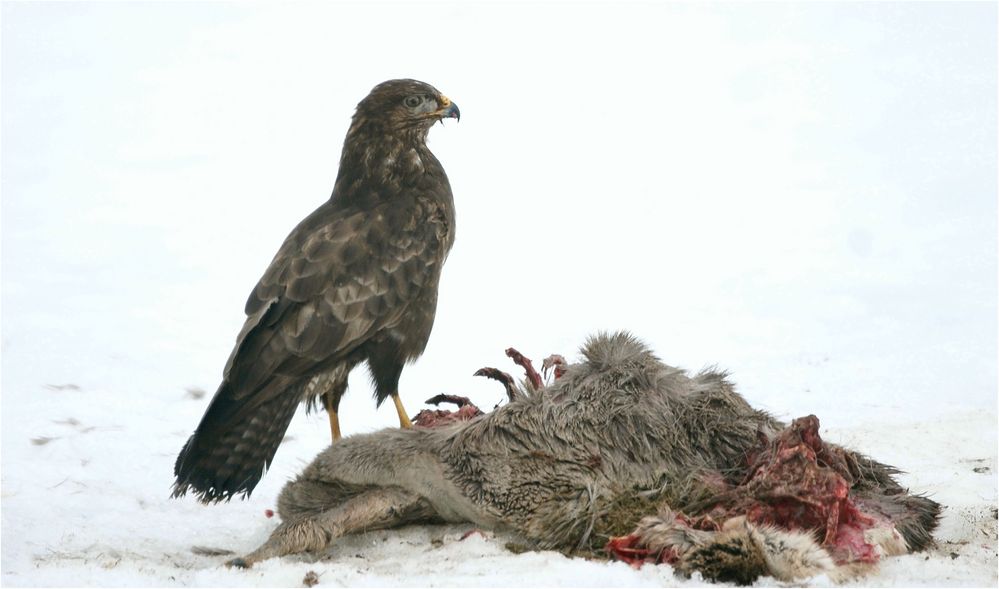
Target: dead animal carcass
point(623, 456)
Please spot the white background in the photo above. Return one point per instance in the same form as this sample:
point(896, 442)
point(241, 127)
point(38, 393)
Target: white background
point(802, 194)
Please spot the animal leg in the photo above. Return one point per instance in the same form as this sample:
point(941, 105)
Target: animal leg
point(385, 361)
point(331, 410)
point(377, 509)
point(404, 421)
point(336, 387)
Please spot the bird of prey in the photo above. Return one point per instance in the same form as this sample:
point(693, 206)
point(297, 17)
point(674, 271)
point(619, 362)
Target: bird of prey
point(355, 281)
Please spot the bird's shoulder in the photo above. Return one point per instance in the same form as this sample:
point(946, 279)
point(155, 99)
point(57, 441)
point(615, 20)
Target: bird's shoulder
point(339, 245)
point(344, 276)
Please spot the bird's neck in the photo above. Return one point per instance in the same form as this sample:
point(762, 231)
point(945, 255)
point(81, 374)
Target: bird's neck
point(378, 164)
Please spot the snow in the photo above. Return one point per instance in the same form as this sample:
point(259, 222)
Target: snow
point(86, 510)
point(804, 195)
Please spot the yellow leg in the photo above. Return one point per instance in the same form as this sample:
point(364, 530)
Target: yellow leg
point(403, 418)
point(334, 420)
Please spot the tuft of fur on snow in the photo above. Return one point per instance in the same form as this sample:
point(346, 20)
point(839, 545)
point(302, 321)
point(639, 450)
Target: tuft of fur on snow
point(210, 551)
point(664, 530)
point(739, 553)
point(730, 557)
point(790, 555)
point(887, 540)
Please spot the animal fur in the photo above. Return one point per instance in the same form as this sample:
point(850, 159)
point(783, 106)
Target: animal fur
point(552, 464)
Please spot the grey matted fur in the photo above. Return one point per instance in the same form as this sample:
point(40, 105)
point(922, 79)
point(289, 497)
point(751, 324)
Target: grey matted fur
point(549, 464)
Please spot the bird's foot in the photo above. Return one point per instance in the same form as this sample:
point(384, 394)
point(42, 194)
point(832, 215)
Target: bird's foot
point(404, 421)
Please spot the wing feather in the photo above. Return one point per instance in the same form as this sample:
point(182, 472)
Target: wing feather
point(330, 288)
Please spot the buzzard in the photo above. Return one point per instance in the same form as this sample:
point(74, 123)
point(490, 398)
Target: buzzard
point(355, 281)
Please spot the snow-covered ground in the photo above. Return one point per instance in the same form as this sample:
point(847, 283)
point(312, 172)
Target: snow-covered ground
point(802, 194)
point(85, 503)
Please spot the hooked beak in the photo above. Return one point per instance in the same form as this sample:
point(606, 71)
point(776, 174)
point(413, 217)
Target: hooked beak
point(449, 110)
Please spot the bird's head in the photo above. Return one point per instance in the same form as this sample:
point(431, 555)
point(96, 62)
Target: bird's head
point(403, 106)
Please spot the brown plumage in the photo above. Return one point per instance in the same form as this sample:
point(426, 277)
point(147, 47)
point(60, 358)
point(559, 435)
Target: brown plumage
point(355, 281)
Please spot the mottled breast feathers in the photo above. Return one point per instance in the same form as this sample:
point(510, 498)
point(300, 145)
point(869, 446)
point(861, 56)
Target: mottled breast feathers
point(337, 281)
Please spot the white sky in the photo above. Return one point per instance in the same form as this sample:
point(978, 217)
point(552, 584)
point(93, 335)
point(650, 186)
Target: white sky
point(803, 194)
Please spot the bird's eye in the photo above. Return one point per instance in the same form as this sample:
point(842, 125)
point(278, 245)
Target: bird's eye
point(413, 101)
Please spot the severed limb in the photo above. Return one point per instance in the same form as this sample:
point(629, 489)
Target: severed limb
point(376, 509)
